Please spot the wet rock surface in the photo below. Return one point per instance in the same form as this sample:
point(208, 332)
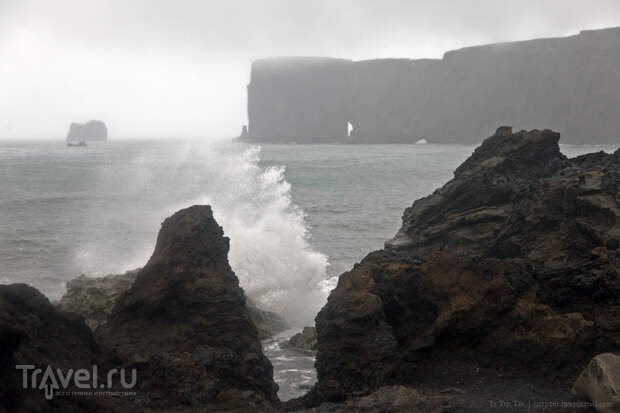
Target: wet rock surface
point(94, 297)
point(182, 325)
point(510, 266)
point(268, 323)
point(305, 340)
point(34, 333)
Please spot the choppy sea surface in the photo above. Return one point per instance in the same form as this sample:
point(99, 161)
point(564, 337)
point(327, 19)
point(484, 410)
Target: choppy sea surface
point(297, 215)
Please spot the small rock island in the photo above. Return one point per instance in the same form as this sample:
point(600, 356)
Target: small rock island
point(94, 130)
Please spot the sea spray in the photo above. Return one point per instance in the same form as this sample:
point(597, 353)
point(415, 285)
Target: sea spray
point(269, 238)
point(269, 248)
point(97, 210)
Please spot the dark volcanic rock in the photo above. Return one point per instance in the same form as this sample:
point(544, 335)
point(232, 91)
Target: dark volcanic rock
point(517, 196)
point(33, 332)
point(391, 399)
point(184, 324)
point(94, 130)
point(569, 84)
point(267, 323)
point(94, 297)
point(180, 322)
point(306, 340)
point(510, 265)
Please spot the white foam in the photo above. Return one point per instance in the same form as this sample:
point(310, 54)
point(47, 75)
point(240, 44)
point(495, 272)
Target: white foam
point(269, 248)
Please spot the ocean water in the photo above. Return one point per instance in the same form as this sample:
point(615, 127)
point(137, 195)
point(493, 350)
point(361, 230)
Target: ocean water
point(297, 215)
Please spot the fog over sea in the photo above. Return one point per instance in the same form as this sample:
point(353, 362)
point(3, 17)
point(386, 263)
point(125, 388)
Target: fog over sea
point(297, 215)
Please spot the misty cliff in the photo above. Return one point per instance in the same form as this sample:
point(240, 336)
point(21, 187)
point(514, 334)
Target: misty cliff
point(570, 84)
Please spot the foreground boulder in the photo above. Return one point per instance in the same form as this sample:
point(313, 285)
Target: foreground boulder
point(512, 265)
point(35, 335)
point(600, 383)
point(184, 324)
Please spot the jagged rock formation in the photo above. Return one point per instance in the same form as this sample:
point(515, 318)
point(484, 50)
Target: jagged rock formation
point(569, 84)
point(182, 325)
point(512, 265)
point(185, 324)
point(94, 130)
point(33, 332)
point(305, 340)
point(507, 201)
point(267, 323)
point(93, 298)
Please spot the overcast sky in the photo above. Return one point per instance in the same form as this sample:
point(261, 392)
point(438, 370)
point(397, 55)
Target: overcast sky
point(168, 68)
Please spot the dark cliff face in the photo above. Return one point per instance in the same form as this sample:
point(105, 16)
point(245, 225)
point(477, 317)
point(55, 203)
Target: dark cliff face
point(298, 99)
point(569, 84)
point(513, 265)
point(94, 130)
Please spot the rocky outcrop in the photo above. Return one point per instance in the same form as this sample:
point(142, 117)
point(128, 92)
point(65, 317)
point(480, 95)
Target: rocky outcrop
point(507, 201)
point(513, 265)
point(93, 298)
point(600, 383)
point(267, 323)
point(569, 84)
point(243, 137)
point(35, 335)
point(184, 323)
point(180, 322)
point(392, 399)
point(94, 130)
point(305, 340)
point(497, 395)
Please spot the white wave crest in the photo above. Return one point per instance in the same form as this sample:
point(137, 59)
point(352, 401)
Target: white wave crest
point(269, 238)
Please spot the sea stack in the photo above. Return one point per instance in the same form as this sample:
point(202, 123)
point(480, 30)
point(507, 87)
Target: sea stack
point(182, 325)
point(94, 130)
point(184, 321)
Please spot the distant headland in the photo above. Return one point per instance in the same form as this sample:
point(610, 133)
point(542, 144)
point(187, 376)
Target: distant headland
point(570, 84)
point(94, 130)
